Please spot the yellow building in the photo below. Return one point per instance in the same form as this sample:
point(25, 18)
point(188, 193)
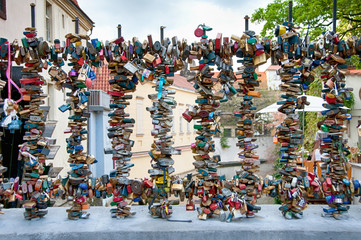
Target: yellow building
point(182, 131)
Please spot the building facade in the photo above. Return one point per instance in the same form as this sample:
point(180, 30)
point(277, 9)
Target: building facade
point(182, 131)
point(53, 20)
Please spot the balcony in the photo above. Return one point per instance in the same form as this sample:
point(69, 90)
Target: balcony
point(98, 101)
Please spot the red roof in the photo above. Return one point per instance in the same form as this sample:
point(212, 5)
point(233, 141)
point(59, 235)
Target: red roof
point(354, 72)
point(182, 82)
point(76, 2)
point(263, 79)
point(273, 67)
point(101, 82)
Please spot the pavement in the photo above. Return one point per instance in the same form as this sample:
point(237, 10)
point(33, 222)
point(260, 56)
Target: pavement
point(268, 224)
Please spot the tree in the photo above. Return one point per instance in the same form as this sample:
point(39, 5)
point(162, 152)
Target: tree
point(313, 15)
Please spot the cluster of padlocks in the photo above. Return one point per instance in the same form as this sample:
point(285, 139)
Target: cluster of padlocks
point(35, 182)
point(80, 59)
point(337, 188)
point(295, 77)
point(131, 63)
point(163, 59)
point(246, 183)
point(122, 83)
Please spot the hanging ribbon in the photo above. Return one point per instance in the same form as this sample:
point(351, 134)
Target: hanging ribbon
point(8, 76)
point(160, 87)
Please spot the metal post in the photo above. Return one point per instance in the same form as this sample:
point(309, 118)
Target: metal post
point(290, 11)
point(162, 34)
point(32, 5)
point(76, 20)
point(303, 142)
point(334, 16)
point(246, 18)
point(119, 30)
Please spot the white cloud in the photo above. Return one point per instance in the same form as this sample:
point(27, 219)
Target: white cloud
point(142, 17)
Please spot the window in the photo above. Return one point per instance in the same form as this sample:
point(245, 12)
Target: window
point(3, 9)
point(52, 102)
point(174, 122)
point(188, 124)
point(63, 20)
point(180, 117)
point(139, 119)
point(48, 18)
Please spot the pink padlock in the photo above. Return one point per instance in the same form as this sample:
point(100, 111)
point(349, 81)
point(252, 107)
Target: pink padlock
point(88, 82)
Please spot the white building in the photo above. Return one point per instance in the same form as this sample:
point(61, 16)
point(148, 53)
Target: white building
point(273, 80)
point(353, 80)
point(53, 21)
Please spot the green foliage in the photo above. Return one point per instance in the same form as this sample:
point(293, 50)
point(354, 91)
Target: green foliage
point(350, 102)
point(354, 60)
point(224, 141)
point(317, 15)
point(312, 118)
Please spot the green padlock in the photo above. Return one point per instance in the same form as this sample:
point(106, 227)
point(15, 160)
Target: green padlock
point(325, 128)
point(197, 126)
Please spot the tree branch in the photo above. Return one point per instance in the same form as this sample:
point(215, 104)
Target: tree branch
point(353, 20)
point(354, 14)
point(349, 30)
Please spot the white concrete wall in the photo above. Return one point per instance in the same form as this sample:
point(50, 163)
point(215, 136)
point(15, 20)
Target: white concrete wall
point(13, 27)
point(354, 81)
point(273, 80)
point(18, 18)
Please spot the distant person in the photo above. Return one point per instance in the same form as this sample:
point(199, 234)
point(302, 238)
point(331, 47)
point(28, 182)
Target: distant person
point(316, 153)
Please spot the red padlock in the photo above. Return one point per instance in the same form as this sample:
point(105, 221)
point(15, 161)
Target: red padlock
point(124, 58)
point(148, 183)
point(218, 41)
point(157, 61)
point(129, 189)
point(80, 200)
point(190, 207)
point(213, 206)
point(330, 98)
point(117, 199)
point(187, 117)
point(207, 211)
point(198, 32)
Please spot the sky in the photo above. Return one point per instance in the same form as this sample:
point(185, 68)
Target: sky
point(142, 17)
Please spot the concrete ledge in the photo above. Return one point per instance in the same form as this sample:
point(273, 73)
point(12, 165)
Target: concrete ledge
point(269, 224)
